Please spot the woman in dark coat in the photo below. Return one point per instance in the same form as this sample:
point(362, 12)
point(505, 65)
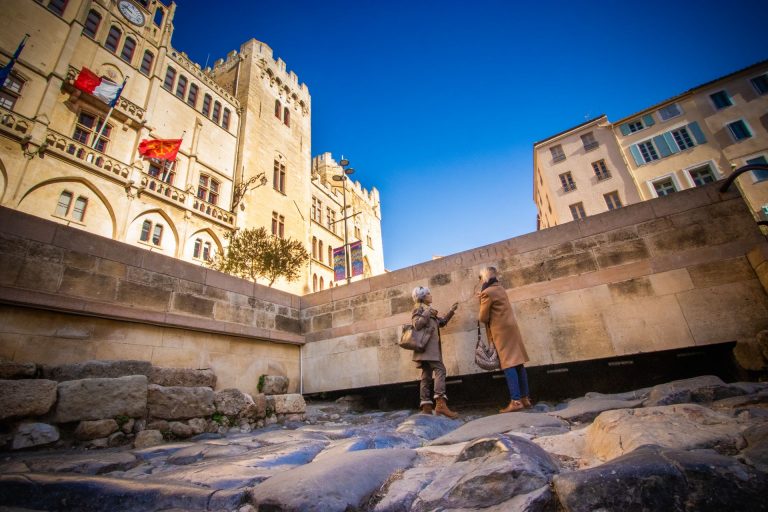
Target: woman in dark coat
point(496, 312)
point(431, 359)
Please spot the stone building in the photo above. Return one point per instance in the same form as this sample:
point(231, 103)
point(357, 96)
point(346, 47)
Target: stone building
point(245, 124)
point(694, 138)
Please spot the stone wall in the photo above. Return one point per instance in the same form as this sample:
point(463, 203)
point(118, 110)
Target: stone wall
point(680, 271)
point(674, 272)
point(67, 296)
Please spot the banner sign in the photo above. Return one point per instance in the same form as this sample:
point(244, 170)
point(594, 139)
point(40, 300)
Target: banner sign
point(356, 252)
point(339, 267)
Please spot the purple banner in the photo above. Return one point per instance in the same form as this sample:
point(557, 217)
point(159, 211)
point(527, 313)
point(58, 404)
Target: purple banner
point(356, 252)
point(339, 268)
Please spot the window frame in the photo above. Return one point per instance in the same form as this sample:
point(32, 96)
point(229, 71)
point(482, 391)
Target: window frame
point(10, 95)
point(577, 210)
point(744, 125)
point(721, 99)
point(278, 225)
point(208, 189)
point(278, 176)
point(689, 176)
point(144, 68)
point(170, 79)
point(760, 84)
point(600, 169)
point(671, 176)
point(192, 95)
point(567, 182)
point(613, 200)
point(206, 108)
point(91, 131)
point(589, 141)
point(114, 29)
point(91, 34)
point(654, 152)
point(181, 87)
point(558, 155)
point(57, 7)
point(128, 57)
point(665, 117)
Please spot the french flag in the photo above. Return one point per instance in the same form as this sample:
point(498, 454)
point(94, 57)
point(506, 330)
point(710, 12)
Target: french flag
point(101, 88)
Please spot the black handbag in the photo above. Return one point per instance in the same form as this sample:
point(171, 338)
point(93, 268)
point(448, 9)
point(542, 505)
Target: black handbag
point(486, 356)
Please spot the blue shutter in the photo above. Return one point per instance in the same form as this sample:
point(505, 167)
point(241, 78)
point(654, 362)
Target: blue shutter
point(625, 129)
point(697, 133)
point(648, 120)
point(636, 154)
point(662, 146)
point(671, 142)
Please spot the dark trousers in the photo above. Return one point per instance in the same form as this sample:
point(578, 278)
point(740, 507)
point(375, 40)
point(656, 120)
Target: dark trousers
point(517, 381)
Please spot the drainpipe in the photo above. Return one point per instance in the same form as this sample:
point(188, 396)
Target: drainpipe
point(301, 369)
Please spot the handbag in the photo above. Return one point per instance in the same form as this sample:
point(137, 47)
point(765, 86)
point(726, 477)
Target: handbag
point(414, 339)
point(486, 356)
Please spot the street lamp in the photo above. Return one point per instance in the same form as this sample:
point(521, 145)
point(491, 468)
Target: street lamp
point(344, 163)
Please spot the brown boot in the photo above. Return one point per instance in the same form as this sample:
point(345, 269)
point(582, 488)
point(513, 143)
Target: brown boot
point(514, 405)
point(442, 408)
point(426, 408)
point(526, 402)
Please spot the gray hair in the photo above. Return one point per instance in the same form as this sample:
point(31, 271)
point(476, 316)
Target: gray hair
point(487, 273)
point(419, 293)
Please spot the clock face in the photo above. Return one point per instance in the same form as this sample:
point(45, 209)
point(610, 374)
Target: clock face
point(131, 12)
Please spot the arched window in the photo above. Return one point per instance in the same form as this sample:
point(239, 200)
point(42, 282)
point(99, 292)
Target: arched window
point(170, 77)
point(322, 283)
point(207, 105)
point(202, 250)
point(192, 98)
point(113, 39)
point(314, 283)
point(78, 212)
point(57, 6)
point(181, 87)
point(287, 117)
point(155, 231)
point(330, 256)
point(314, 247)
point(208, 189)
point(320, 250)
point(146, 62)
point(92, 23)
point(216, 112)
point(225, 119)
point(62, 207)
point(163, 170)
point(128, 48)
point(278, 109)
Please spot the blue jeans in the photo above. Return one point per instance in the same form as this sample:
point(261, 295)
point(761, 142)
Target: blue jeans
point(517, 381)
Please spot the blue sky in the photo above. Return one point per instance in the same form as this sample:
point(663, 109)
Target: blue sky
point(438, 103)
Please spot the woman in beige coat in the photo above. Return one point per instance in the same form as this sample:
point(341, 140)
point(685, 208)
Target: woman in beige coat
point(496, 312)
point(431, 359)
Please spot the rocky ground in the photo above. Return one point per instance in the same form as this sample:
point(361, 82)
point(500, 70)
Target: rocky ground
point(693, 445)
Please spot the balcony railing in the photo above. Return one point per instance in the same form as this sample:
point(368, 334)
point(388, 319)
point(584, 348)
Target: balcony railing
point(13, 122)
point(558, 158)
point(589, 146)
point(603, 176)
point(96, 160)
point(158, 187)
point(214, 212)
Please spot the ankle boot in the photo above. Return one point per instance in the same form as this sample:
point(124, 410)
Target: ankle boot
point(442, 408)
point(514, 405)
point(526, 402)
point(426, 408)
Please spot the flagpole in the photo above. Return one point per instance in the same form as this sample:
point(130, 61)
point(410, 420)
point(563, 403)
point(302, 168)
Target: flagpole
point(111, 108)
point(165, 162)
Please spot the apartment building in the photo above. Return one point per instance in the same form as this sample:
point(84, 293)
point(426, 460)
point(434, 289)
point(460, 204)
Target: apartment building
point(696, 137)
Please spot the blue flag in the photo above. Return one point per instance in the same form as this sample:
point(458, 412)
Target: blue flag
point(5, 71)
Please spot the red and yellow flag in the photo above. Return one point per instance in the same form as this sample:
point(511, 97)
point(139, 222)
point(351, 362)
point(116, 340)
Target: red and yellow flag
point(160, 149)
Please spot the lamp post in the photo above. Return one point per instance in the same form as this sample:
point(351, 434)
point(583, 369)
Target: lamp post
point(346, 171)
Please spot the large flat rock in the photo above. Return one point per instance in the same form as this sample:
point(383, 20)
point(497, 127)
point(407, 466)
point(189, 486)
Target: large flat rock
point(681, 426)
point(179, 402)
point(184, 377)
point(26, 397)
point(97, 370)
point(342, 483)
point(521, 422)
point(96, 399)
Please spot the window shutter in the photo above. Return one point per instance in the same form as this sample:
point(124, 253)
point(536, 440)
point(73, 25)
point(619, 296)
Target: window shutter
point(697, 133)
point(636, 154)
point(625, 129)
point(648, 120)
point(671, 142)
point(662, 146)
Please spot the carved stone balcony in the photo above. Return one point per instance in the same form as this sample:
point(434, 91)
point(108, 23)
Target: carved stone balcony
point(159, 188)
point(123, 106)
point(95, 160)
point(212, 211)
point(14, 123)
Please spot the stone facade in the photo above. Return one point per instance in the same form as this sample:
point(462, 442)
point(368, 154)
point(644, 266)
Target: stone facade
point(235, 146)
point(696, 137)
